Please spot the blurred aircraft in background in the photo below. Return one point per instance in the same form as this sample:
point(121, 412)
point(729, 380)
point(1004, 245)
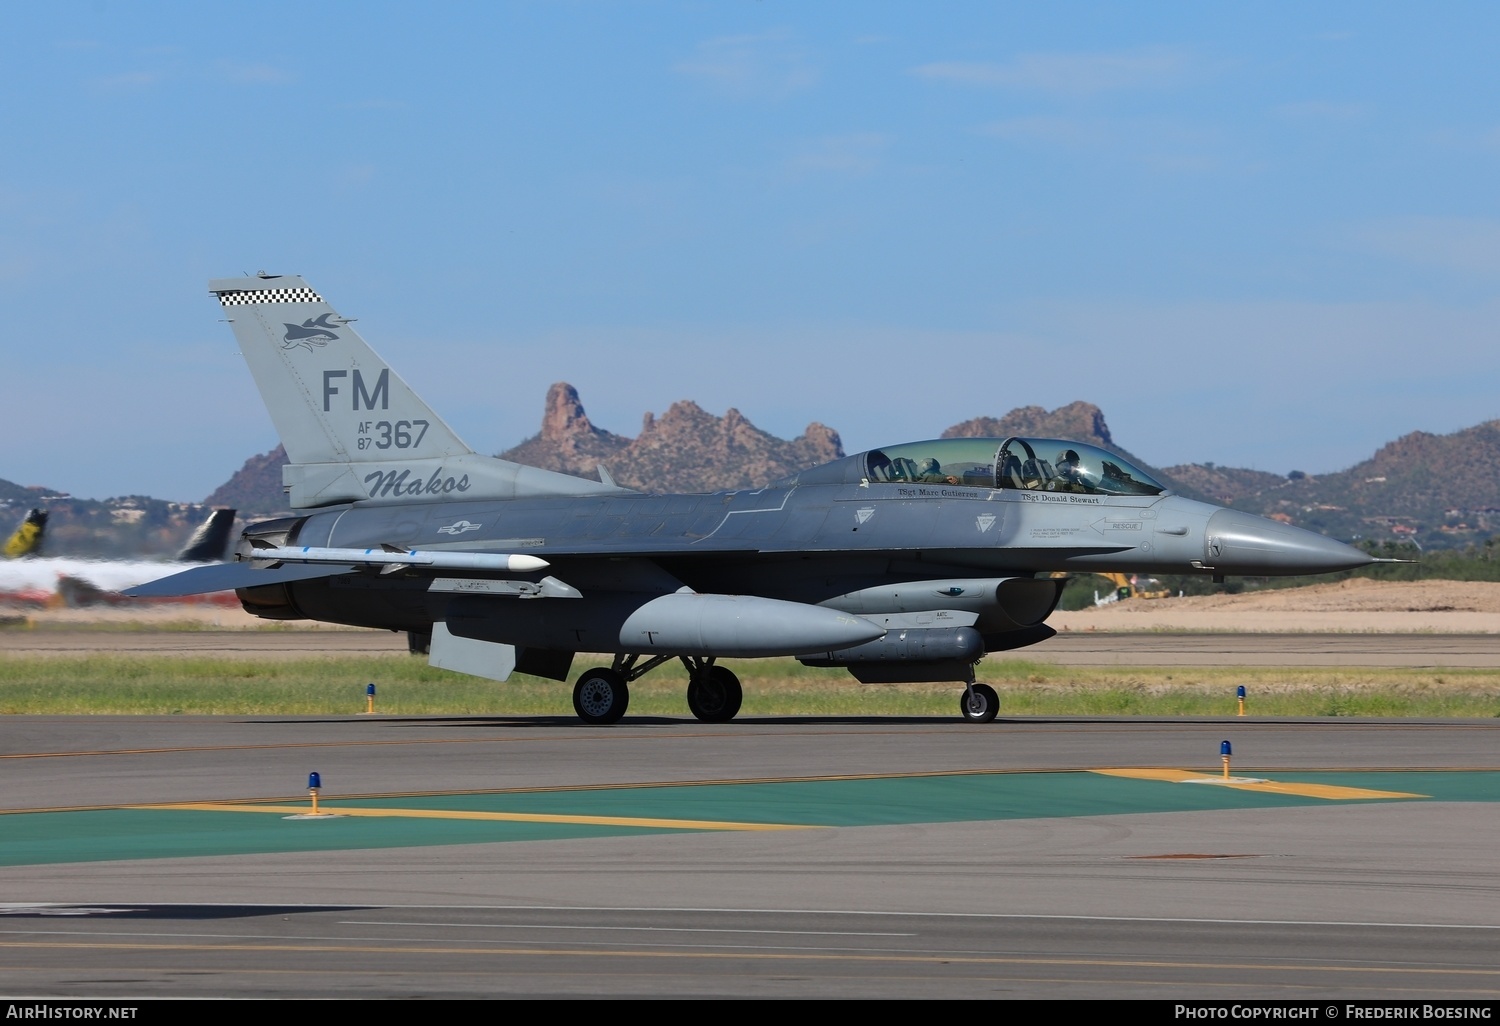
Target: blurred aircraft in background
point(27, 540)
point(30, 580)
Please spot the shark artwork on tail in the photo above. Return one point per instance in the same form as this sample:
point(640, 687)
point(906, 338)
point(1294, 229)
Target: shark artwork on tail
point(907, 563)
point(315, 331)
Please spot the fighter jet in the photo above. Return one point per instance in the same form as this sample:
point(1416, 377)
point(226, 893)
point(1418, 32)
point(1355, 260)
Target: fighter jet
point(906, 563)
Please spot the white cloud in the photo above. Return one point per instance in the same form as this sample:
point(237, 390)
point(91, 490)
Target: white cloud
point(1070, 132)
point(766, 66)
point(1471, 245)
point(1467, 139)
point(128, 81)
point(387, 105)
point(1069, 74)
point(1162, 145)
point(352, 177)
point(1322, 110)
point(253, 74)
point(854, 153)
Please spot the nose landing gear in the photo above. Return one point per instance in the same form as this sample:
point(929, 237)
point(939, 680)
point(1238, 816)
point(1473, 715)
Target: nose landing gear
point(978, 703)
point(601, 696)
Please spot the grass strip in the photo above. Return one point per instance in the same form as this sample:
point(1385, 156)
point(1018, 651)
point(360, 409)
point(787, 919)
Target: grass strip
point(155, 685)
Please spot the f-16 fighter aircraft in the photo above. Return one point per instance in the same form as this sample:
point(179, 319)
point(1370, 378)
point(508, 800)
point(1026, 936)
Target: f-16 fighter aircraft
point(906, 563)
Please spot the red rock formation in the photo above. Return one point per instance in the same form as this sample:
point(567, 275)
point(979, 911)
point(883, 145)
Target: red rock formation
point(687, 449)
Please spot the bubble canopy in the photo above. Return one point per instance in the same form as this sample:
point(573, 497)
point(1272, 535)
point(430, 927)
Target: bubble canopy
point(1027, 464)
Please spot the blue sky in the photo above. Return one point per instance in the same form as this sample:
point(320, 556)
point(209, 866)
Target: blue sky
point(1262, 235)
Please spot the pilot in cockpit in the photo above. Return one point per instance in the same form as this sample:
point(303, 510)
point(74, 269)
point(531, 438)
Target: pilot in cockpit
point(1070, 476)
point(931, 471)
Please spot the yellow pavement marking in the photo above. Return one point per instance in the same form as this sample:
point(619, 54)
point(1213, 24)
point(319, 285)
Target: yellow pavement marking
point(510, 817)
point(1329, 791)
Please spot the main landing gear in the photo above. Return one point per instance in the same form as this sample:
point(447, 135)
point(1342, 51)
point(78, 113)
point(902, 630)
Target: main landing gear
point(602, 694)
point(713, 693)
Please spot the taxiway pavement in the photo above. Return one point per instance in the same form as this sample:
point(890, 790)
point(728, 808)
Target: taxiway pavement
point(943, 860)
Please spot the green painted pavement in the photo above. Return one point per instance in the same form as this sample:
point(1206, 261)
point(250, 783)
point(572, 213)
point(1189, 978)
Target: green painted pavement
point(113, 834)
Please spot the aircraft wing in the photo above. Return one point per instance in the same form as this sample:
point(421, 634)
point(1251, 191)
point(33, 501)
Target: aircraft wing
point(202, 580)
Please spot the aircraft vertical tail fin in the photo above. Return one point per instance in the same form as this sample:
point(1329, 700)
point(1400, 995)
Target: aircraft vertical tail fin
point(27, 539)
point(353, 429)
point(211, 540)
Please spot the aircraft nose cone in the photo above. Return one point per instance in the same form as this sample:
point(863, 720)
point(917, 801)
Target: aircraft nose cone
point(1242, 544)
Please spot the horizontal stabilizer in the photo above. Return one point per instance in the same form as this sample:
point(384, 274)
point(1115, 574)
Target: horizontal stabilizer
point(204, 580)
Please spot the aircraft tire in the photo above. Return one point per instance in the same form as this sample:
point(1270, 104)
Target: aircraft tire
point(715, 696)
point(601, 696)
point(980, 706)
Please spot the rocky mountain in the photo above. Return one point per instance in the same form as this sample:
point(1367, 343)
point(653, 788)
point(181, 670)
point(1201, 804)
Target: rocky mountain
point(1224, 485)
point(256, 487)
point(569, 442)
point(1438, 490)
point(1080, 421)
point(12, 494)
point(687, 449)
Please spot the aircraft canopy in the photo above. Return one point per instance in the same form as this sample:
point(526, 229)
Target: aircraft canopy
point(1031, 464)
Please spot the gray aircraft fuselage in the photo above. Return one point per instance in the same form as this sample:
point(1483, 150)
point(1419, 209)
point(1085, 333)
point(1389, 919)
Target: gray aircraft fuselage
point(829, 537)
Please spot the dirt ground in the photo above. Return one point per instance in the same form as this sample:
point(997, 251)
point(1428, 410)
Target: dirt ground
point(1357, 605)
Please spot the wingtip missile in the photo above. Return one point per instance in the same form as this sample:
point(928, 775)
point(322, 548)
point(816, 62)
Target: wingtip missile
point(494, 562)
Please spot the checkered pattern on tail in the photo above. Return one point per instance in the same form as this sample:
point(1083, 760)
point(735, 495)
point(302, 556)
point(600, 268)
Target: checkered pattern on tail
point(299, 295)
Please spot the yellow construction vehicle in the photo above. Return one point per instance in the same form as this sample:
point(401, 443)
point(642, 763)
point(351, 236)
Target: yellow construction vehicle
point(1131, 586)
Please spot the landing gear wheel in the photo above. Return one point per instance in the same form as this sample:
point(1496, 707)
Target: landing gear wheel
point(979, 703)
point(714, 695)
point(600, 696)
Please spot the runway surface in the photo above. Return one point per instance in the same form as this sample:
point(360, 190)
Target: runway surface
point(1078, 648)
point(476, 856)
